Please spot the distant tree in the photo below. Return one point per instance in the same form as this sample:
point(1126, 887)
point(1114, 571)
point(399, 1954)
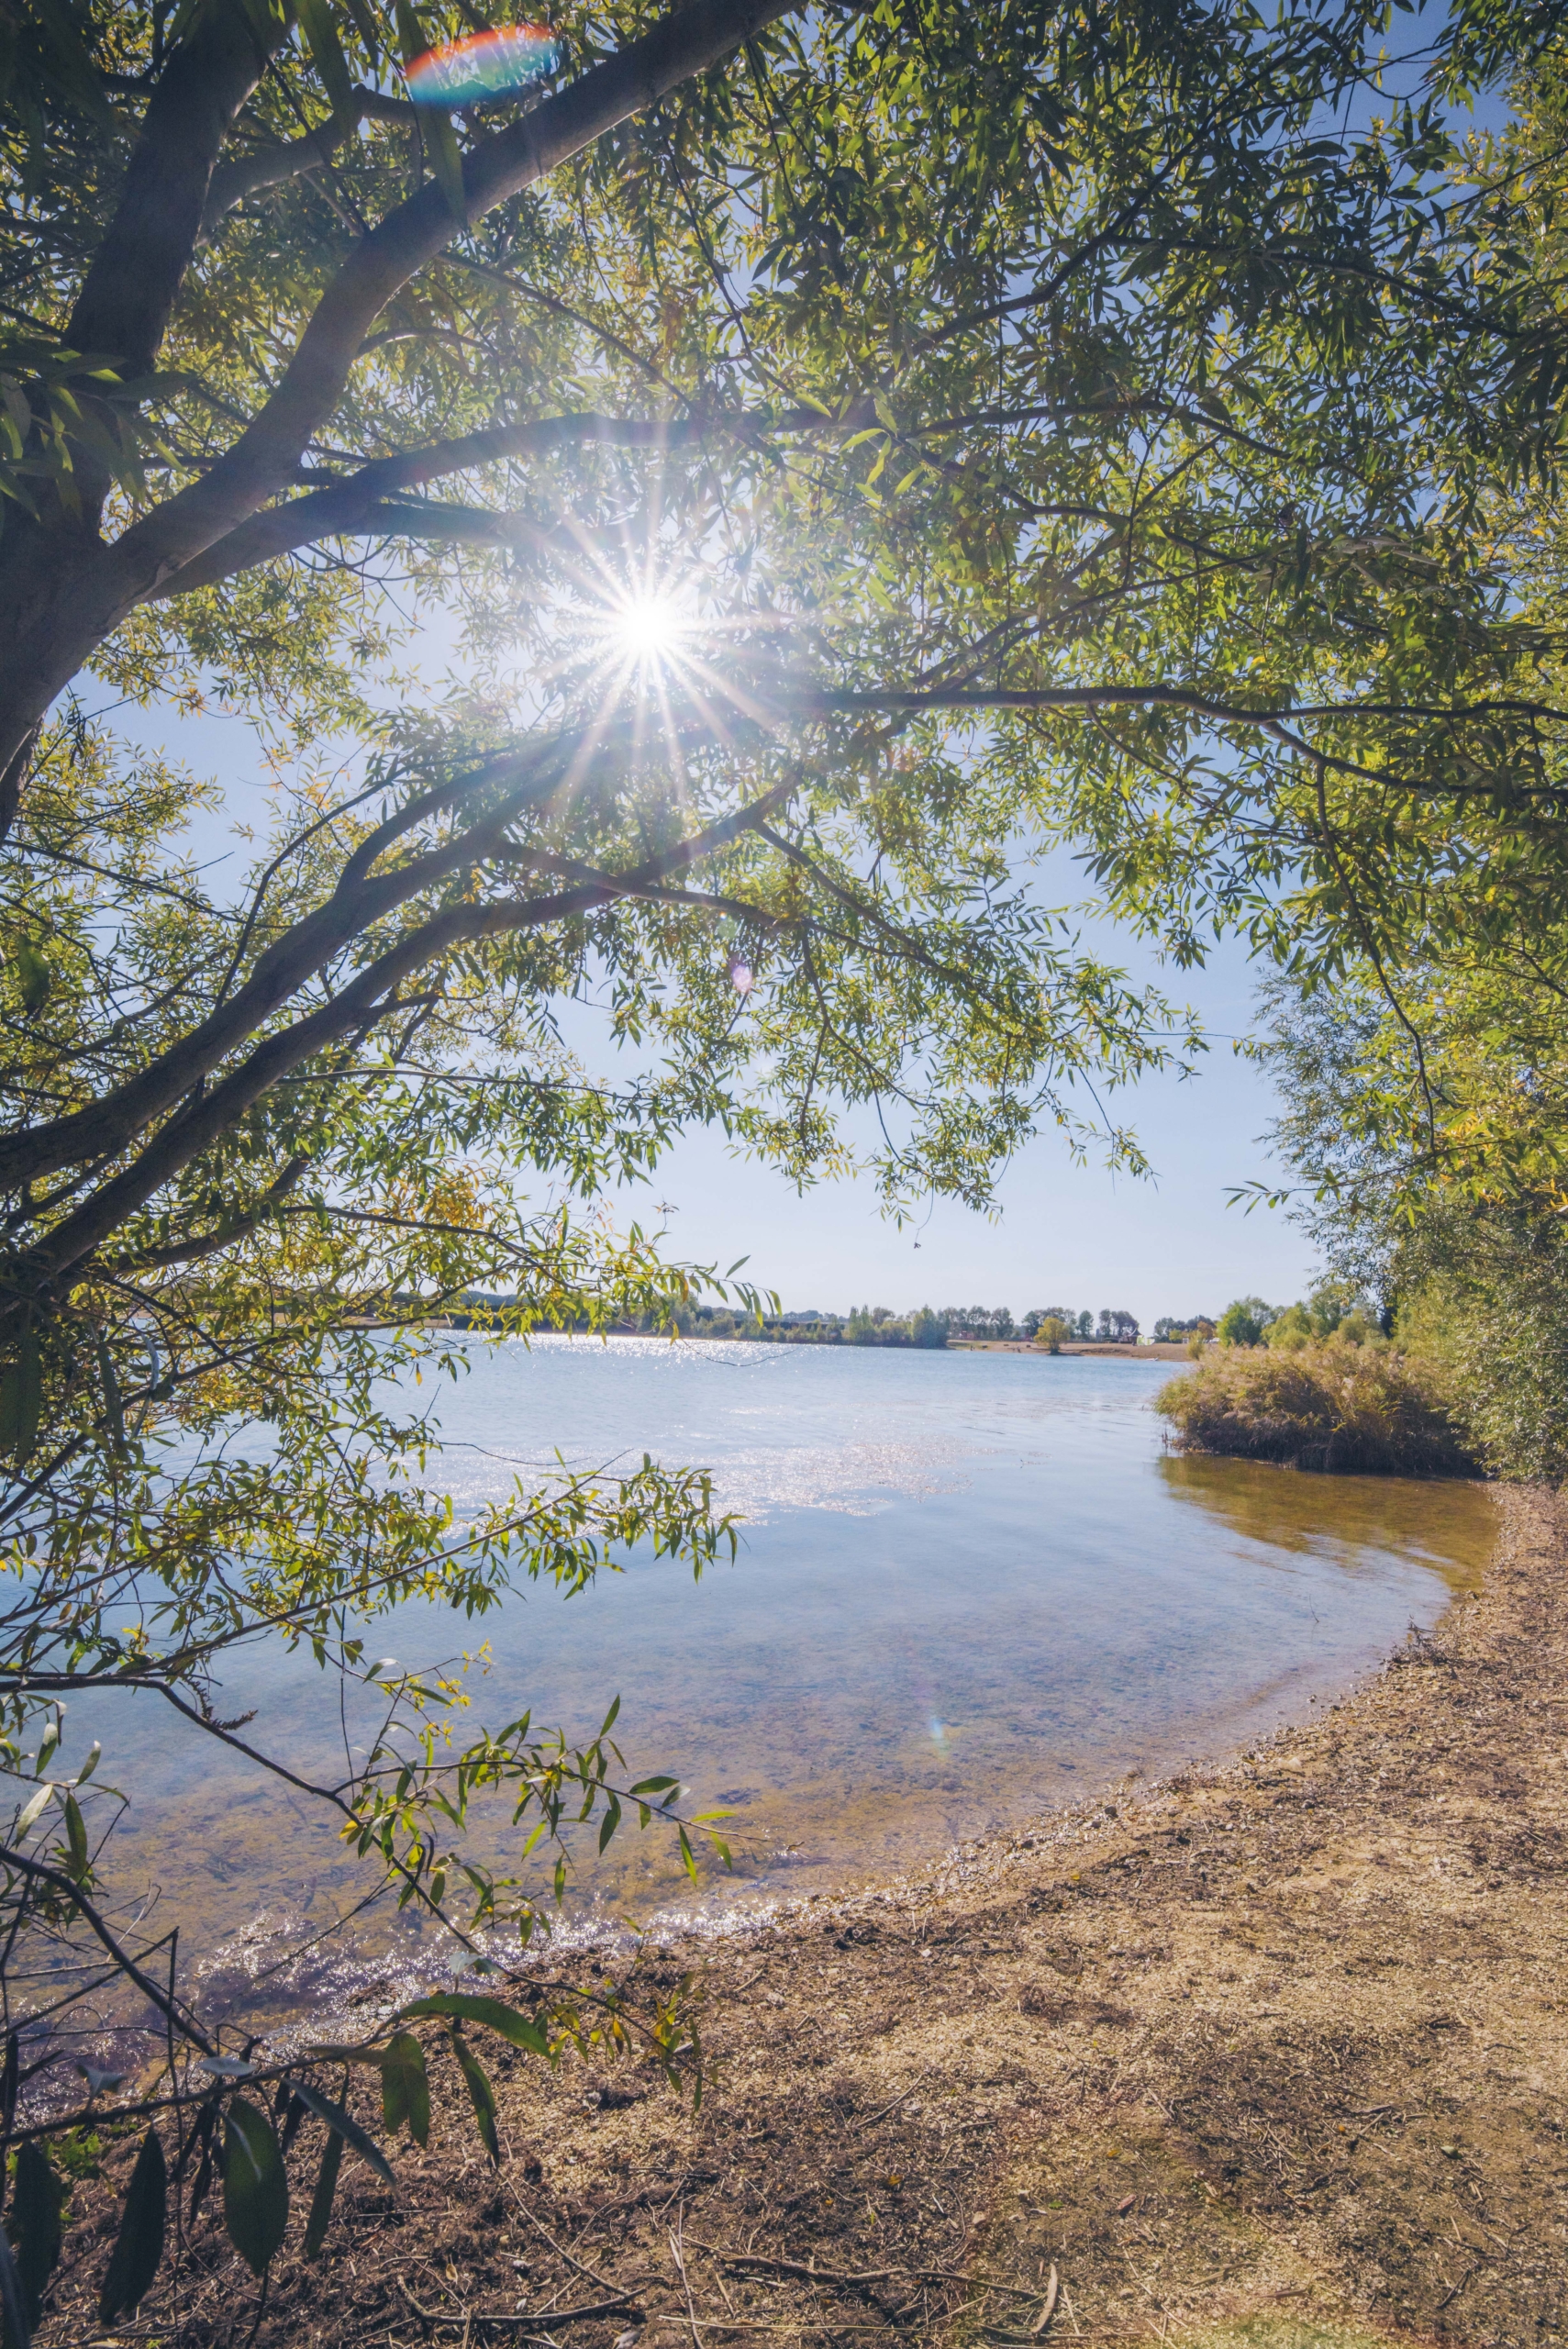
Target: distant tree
point(1289, 1330)
point(928, 1329)
point(979, 1320)
point(1086, 1324)
point(1124, 1329)
point(1243, 1321)
point(1052, 1332)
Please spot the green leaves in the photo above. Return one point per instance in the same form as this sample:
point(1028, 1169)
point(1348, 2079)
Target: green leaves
point(37, 2200)
point(481, 2095)
point(437, 130)
point(21, 1398)
point(255, 2189)
point(341, 2129)
point(521, 2030)
point(68, 56)
point(77, 1864)
point(405, 2088)
point(321, 2216)
point(440, 134)
point(13, 2308)
point(339, 2119)
point(138, 2246)
point(327, 50)
point(34, 978)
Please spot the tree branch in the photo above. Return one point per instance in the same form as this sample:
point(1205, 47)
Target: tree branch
point(262, 459)
point(248, 174)
point(353, 508)
point(303, 949)
point(210, 1115)
point(128, 293)
point(189, 1251)
point(60, 1882)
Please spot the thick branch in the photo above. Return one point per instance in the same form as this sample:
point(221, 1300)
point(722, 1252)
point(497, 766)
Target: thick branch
point(124, 308)
point(262, 459)
point(209, 1116)
point(239, 1227)
point(305, 949)
point(270, 166)
point(354, 507)
point(1154, 696)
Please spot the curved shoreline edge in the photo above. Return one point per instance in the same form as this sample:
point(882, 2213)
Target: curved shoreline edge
point(1271, 2055)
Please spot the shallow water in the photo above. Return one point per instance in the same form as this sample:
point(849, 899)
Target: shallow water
point(970, 1587)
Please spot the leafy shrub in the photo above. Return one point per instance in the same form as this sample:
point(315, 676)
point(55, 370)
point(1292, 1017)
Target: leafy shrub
point(1346, 1410)
point(1484, 1300)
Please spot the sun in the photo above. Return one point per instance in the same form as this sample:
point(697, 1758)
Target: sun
point(649, 628)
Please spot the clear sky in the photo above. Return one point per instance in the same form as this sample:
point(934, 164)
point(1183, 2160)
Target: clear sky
point(1067, 1235)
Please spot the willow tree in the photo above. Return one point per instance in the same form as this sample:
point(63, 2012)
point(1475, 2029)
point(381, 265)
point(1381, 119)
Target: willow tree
point(1003, 423)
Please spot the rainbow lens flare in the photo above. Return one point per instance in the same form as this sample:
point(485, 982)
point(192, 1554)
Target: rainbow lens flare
point(484, 66)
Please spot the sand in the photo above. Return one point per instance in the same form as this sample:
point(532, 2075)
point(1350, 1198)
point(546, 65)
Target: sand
point(1274, 2054)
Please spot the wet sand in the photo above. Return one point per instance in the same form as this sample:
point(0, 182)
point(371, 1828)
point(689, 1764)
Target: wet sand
point(1274, 2052)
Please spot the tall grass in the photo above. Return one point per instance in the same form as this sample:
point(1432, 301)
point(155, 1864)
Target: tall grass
point(1346, 1409)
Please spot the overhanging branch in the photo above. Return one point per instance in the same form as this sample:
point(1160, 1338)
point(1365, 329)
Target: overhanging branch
point(683, 44)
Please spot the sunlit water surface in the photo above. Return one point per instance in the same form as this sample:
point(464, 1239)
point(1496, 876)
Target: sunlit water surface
point(970, 1587)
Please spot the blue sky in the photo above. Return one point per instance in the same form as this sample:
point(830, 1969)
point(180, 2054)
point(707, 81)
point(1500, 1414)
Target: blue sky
point(1067, 1234)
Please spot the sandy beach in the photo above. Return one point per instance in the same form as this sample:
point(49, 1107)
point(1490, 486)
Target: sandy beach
point(1275, 2052)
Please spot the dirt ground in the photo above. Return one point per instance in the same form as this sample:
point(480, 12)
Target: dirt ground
point(1271, 2057)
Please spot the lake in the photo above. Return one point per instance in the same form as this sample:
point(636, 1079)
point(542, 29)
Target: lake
point(970, 1587)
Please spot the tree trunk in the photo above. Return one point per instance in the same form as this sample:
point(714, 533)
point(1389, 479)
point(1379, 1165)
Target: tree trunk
point(62, 593)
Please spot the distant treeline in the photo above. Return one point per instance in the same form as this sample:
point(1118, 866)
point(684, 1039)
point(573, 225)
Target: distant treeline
point(863, 1325)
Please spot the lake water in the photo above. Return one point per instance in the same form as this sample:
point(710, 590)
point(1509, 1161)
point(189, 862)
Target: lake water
point(970, 1587)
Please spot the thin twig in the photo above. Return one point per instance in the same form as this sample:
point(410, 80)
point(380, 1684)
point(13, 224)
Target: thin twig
point(883, 2110)
point(866, 2276)
point(681, 2272)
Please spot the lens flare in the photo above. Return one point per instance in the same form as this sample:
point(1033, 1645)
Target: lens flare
point(483, 65)
point(740, 978)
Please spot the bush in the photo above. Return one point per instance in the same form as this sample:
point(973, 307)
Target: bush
point(1346, 1409)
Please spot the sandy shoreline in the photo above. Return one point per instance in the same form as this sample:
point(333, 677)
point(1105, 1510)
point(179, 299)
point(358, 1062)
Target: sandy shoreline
point(1276, 2052)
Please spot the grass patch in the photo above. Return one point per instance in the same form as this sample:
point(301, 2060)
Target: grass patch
point(1279, 2333)
point(1348, 1410)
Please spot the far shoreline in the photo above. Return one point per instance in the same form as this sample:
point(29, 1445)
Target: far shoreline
point(1109, 1350)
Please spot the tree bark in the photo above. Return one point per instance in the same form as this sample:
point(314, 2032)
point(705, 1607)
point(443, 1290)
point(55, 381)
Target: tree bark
point(128, 294)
